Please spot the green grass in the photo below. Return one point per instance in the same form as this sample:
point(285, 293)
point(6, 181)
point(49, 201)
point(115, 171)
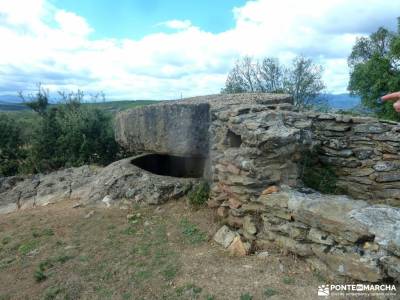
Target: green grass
point(246, 296)
point(192, 233)
point(190, 290)
point(199, 195)
point(288, 280)
point(27, 247)
point(269, 292)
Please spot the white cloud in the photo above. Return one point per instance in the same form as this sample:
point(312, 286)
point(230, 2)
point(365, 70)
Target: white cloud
point(54, 46)
point(177, 24)
point(71, 23)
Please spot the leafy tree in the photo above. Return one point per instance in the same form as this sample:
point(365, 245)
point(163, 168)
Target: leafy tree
point(243, 77)
point(303, 79)
point(11, 146)
point(270, 75)
point(69, 134)
point(375, 70)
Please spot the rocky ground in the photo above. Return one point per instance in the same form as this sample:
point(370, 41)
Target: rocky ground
point(158, 252)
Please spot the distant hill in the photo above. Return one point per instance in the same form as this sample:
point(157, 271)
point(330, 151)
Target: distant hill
point(10, 99)
point(112, 106)
point(342, 101)
point(14, 103)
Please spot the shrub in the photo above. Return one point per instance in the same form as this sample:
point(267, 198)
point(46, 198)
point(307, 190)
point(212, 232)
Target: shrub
point(318, 176)
point(199, 195)
point(11, 146)
point(69, 134)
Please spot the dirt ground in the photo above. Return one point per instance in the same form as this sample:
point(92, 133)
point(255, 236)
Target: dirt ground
point(163, 252)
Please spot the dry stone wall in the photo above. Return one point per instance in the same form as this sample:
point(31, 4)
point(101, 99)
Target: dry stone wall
point(336, 234)
point(364, 154)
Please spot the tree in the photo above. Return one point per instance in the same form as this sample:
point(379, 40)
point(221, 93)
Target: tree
point(270, 75)
point(375, 70)
point(303, 79)
point(69, 134)
point(243, 77)
point(11, 152)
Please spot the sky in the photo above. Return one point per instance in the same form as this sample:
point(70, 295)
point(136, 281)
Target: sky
point(167, 49)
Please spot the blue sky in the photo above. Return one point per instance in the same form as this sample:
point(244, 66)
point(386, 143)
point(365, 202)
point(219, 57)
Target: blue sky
point(165, 49)
point(138, 18)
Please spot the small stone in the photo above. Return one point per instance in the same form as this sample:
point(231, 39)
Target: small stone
point(386, 156)
point(233, 169)
point(249, 226)
point(222, 212)
point(388, 177)
point(238, 247)
point(235, 222)
point(107, 200)
point(320, 237)
point(212, 203)
point(371, 246)
point(370, 128)
point(237, 212)
point(270, 190)
point(384, 166)
point(234, 203)
point(89, 214)
point(224, 236)
point(76, 205)
point(263, 254)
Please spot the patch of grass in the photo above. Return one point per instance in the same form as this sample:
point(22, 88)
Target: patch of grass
point(63, 258)
point(269, 292)
point(130, 230)
point(143, 274)
point(4, 263)
point(27, 247)
point(199, 195)
point(170, 272)
point(39, 275)
point(192, 233)
point(52, 292)
point(319, 276)
point(288, 280)
point(44, 232)
point(210, 297)
point(246, 296)
point(190, 291)
point(6, 240)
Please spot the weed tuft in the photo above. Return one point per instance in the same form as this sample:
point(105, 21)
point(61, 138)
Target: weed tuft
point(246, 296)
point(199, 195)
point(192, 233)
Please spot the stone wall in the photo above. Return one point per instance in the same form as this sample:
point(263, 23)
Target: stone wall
point(253, 146)
point(364, 154)
point(336, 234)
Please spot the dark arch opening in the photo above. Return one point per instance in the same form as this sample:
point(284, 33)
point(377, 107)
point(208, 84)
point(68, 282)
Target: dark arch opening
point(234, 140)
point(169, 165)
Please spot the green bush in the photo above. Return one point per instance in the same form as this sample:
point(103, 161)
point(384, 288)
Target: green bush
point(11, 146)
point(318, 176)
point(199, 195)
point(64, 135)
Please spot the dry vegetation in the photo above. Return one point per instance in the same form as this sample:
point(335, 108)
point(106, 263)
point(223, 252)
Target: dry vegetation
point(60, 252)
